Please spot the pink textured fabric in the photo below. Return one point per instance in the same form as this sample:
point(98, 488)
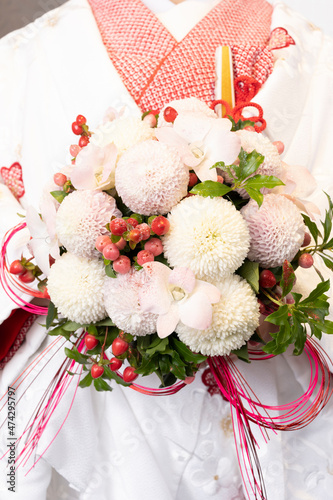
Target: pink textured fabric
point(156, 68)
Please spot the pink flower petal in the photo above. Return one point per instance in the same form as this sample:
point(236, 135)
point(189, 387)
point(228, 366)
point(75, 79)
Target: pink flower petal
point(83, 177)
point(49, 212)
point(166, 323)
point(168, 136)
point(196, 312)
point(184, 278)
point(303, 179)
point(212, 293)
point(110, 158)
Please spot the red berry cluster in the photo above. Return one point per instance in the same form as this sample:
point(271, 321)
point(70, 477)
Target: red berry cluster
point(133, 232)
point(81, 128)
point(120, 347)
point(27, 272)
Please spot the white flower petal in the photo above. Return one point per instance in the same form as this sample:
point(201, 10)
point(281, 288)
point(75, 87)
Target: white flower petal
point(210, 291)
point(166, 323)
point(155, 296)
point(75, 285)
point(196, 312)
point(192, 126)
point(207, 235)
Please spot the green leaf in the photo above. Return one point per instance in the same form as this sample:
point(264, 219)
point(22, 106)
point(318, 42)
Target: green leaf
point(59, 195)
point(55, 331)
point(86, 381)
point(315, 331)
point(168, 380)
point(105, 322)
point(115, 238)
point(261, 181)
point(288, 278)
point(110, 272)
point(92, 330)
point(58, 330)
point(242, 353)
point(186, 353)
point(250, 271)
point(71, 326)
point(137, 217)
point(148, 366)
point(164, 364)
point(178, 371)
point(327, 225)
point(300, 334)
point(51, 314)
point(320, 289)
point(280, 316)
point(249, 163)
point(256, 338)
point(110, 375)
point(326, 327)
point(76, 355)
point(255, 194)
point(297, 297)
point(328, 262)
point(312, 227)
point(159, 346)
point(210, 188)
point(101, 385)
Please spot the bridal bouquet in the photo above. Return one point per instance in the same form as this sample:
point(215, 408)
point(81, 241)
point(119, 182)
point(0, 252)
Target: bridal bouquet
point(175, 238)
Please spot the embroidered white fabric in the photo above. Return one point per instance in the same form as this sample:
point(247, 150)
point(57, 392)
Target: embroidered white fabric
point(123, 445)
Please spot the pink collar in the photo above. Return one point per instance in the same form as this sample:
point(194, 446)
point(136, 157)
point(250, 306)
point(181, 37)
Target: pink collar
point(155, 68)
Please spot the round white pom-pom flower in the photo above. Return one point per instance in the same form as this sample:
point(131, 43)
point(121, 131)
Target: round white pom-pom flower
point(235, 318)
point(276, 228)
point(189, 104)
point(123, 132)
point(75, 285)
point(81, 218)
point(122, 302)
point(207, 235)
point(151, 178)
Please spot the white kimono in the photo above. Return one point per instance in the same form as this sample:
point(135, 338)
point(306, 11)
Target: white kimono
point(123, 445)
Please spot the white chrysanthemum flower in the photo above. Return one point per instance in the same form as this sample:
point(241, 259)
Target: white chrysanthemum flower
point(75, 285)
point(121, 298)
point(123, 132)
point(151, 178)
point(207, 235)
point(81, 218)
point(235, 318)
point(276, 228)
point(189, 104)
point(272, 164)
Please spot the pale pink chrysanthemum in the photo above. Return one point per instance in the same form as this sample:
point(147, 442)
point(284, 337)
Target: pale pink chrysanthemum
point(122, 303)
point(81, 218)
point(276, 229)
point(189, 104)
point(151, 178)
